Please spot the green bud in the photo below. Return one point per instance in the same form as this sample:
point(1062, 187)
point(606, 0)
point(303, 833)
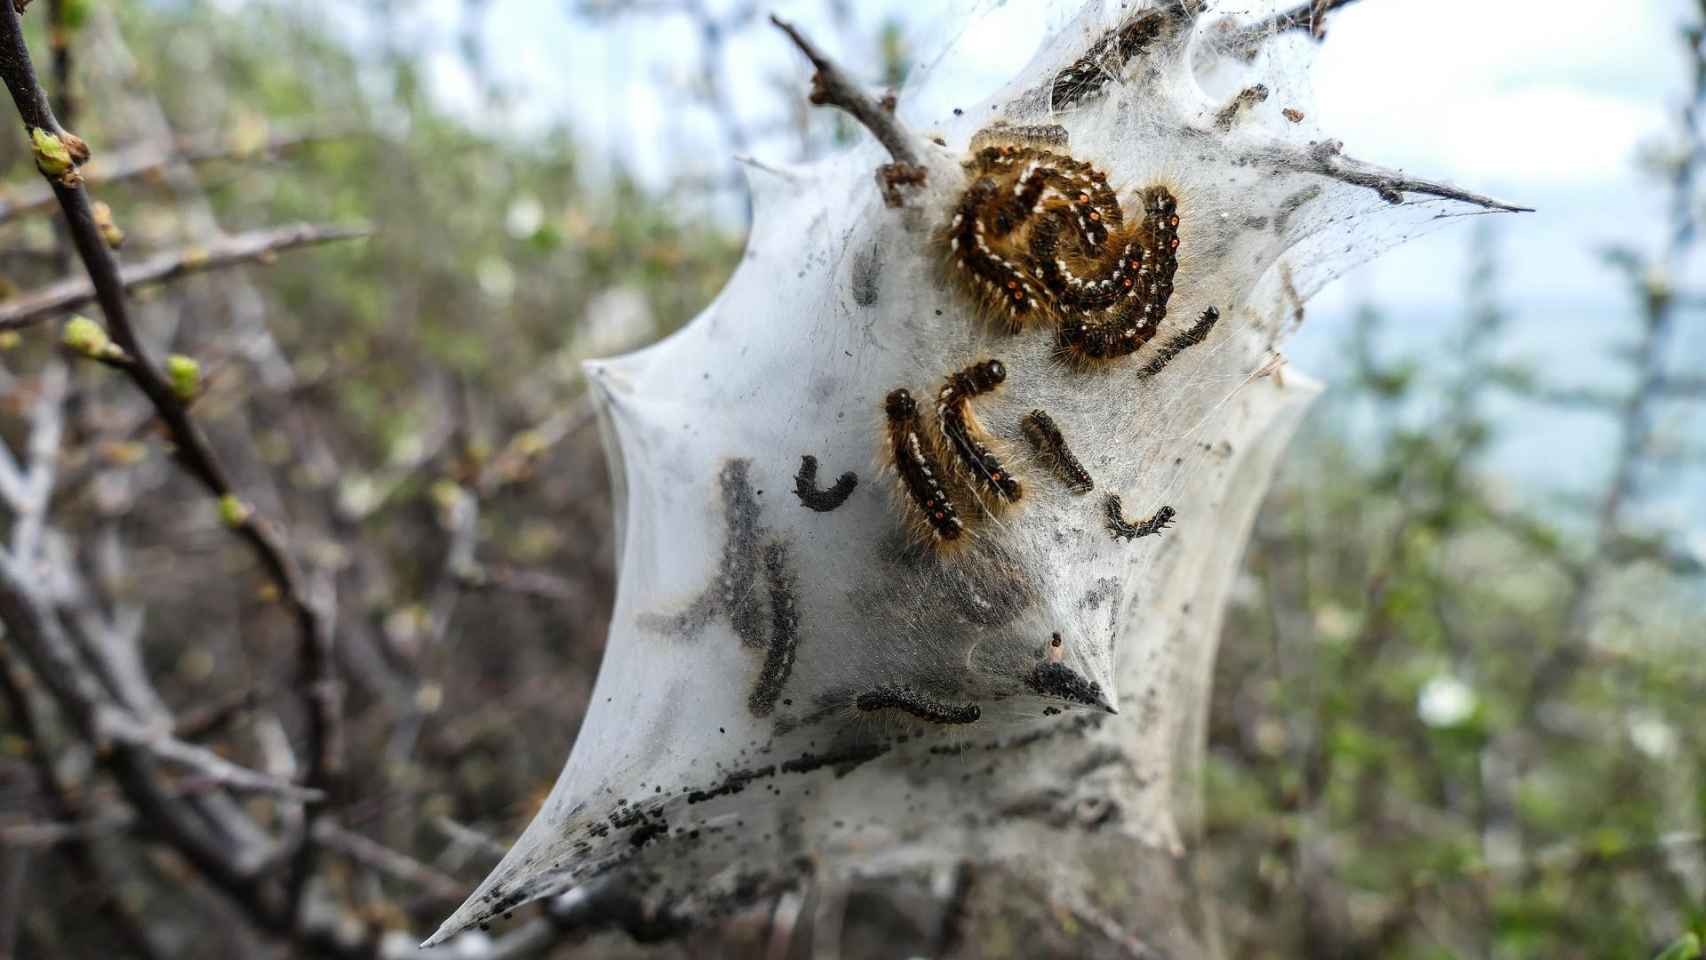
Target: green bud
point(185, 375)
point(90, 339)
point(110, 231)
point(233, 511)
point(52, 156)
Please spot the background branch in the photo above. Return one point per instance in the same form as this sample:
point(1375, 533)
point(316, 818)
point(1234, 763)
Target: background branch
point(255, 246)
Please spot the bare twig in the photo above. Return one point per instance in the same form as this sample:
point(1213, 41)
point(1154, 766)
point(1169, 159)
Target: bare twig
point(1310, 16)
point(1684, 387)
point(463, 835)
point(318, 685)
point(528, 445)
point(150, 160)
point(833, 87)
point(1325, 158)
point(45, 834)
point(34, 627)
point(35, 486)
point(1636, 413)
point(66, 805)
point(116, 726)
point(211, 718)
point(257, 245)
point(399, 866)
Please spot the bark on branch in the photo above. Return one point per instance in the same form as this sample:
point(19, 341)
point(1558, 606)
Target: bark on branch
point(1327, 159)
point(146, 161)
point(254, 246)
point(832, 87)
point(317, 687)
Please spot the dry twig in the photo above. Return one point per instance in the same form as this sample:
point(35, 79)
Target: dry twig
point(257, 245)
point(25, 612)
point(150, 160)
point(831, 86)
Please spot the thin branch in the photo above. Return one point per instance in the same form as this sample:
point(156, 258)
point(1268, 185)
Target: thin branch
point(66, 804)
point(257, 245)
point(47, 422)
point(833, 87)
point(115, 725)
point(1635, 421)
point(1325, 158)
point(42, 835)
point(212, 718)
point(399, 866)
point(1682, 387)
point(1310, 16)
point(148, 160)
point(463, 835)
point(317, 685)
point(33, 626)
point(1579, 398)
point(530, 445)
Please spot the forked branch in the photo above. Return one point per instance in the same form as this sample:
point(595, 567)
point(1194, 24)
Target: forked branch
point(58, 153)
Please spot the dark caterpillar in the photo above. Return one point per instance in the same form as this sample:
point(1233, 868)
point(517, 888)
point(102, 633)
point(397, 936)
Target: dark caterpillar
point(919, 474)
point(1105, 59)
point(1180, 342)
point(823, 501)
point(1123, 529)
point(964, 439)
point(920, 706)
point(1055, 679)
point(1051, 448)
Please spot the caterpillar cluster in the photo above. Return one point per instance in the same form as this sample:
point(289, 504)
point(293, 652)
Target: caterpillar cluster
point(1039, 240)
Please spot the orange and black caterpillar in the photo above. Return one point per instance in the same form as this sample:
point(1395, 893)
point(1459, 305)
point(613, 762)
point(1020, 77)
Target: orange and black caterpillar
point(920, 476)
point(1041, 239)
point(965, 440)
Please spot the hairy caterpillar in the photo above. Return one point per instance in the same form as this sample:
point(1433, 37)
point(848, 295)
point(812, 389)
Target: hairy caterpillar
point(965, 440)
point(1180, 342)
point(1040, 239)
point(1039, 428)
point(919, 474)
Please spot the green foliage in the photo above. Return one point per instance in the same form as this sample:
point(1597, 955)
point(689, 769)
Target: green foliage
point(1425, 742)
point(1686, 948)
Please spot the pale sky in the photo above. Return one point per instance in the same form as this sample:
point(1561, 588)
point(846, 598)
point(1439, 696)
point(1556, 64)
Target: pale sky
point(1543, 102)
